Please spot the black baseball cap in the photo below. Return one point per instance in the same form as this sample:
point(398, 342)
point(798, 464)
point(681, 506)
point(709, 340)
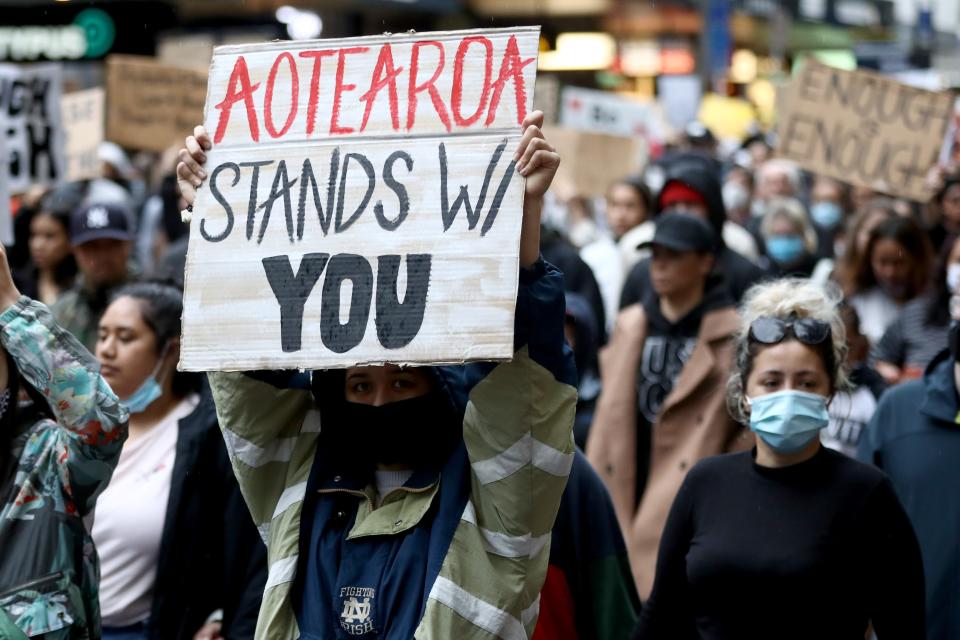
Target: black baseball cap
point(97, 221)
point(683, 232)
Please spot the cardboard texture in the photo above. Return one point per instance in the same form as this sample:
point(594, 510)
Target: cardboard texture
point(30, 121)
point(151, 105)
point(592, 161)
point(82, 114)
point(6, 217)
point(362, 205)
point(863, 128)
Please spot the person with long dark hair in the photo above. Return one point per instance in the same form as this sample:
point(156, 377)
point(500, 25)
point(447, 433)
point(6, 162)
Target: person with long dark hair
point(57, 453)
point(176, 542)
point(52, 269)
point(856, 236)
point(945, 207)
point(918, 333)
point(893, 270)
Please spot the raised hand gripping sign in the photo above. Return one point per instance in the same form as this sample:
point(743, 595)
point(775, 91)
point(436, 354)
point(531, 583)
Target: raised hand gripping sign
point(362, 204)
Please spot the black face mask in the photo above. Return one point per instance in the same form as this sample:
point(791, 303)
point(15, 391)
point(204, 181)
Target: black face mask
point(954, 340)
point(417, 432)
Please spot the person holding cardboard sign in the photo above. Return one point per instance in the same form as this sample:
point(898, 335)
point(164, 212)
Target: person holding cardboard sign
point(410, 502)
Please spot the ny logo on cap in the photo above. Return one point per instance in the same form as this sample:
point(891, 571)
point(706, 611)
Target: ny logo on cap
point(97, 218)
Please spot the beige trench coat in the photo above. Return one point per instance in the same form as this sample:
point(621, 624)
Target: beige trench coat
point(693, 424)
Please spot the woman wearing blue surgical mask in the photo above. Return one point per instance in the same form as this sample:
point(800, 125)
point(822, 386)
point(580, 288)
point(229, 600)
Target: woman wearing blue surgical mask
point(790, 241)
point(168, 560)
point(790, 540)
point(829, 203)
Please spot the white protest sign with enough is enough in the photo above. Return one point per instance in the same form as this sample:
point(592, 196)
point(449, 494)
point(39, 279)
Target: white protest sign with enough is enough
point(362, 204)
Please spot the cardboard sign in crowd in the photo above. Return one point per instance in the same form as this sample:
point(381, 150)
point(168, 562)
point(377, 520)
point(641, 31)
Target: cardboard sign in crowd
point(82, 113)
point(31, 125)
point(151, 104)
point(863, 128)
point(362, 203)
point(31, 134)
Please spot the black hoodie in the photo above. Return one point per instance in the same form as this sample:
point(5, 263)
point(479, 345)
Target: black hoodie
point(666, 349)
point(700, 174)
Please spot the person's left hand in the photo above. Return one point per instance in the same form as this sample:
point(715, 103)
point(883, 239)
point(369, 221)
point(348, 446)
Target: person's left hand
point(537, 161)
point(209, 631)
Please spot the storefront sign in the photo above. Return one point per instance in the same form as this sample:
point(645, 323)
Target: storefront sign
point(89, 36)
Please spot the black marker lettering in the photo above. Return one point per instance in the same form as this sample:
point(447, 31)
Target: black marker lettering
point(398, 323)
point(218, 196)
point(337, 337)
point(292, 292)
point(402, 196)
point(339, 225)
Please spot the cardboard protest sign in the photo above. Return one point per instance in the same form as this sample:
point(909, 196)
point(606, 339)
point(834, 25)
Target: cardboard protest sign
point(82, 113)
point(592, 161)
point(362, 205)
point(6, 218)
point(30, 122)
point(609, 113)
point(863, 128)
point(151, 105)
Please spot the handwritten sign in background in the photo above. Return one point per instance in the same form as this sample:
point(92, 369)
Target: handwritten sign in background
point(6, 218)
point(352, 143)
point(151, 105)
point(863, 128)
point(30, 122)
point(82, 113)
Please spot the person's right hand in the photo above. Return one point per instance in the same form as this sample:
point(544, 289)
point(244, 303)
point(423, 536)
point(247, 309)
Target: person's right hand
point(190, 173)
point(8, 290)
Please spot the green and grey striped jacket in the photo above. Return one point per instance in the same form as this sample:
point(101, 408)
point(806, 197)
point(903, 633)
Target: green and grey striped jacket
point(517, 431)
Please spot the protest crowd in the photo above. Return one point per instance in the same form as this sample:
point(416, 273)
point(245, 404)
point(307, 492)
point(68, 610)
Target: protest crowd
point(580, 387)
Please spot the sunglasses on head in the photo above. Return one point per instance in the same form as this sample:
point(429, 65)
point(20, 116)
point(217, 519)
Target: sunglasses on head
point(769, 330)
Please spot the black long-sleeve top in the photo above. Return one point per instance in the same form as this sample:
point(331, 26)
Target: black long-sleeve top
point(815, 550)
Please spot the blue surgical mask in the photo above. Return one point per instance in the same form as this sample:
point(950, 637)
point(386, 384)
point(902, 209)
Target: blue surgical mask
point(147, 392)
point(788, 420)
point(826, 214)
point(144, 396)
point(785, 249)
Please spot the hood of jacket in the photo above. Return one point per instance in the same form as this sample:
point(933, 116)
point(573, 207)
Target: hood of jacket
point(700, 174)
point(940, 401)
point(587, 334)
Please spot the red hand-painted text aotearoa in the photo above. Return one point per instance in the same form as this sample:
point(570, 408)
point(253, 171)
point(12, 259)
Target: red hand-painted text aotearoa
point(428, 61)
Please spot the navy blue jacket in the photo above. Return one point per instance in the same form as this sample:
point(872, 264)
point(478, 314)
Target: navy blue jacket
point(914, 437)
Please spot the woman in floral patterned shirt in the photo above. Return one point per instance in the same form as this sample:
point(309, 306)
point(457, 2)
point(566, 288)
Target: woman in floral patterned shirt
point(56, 455)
